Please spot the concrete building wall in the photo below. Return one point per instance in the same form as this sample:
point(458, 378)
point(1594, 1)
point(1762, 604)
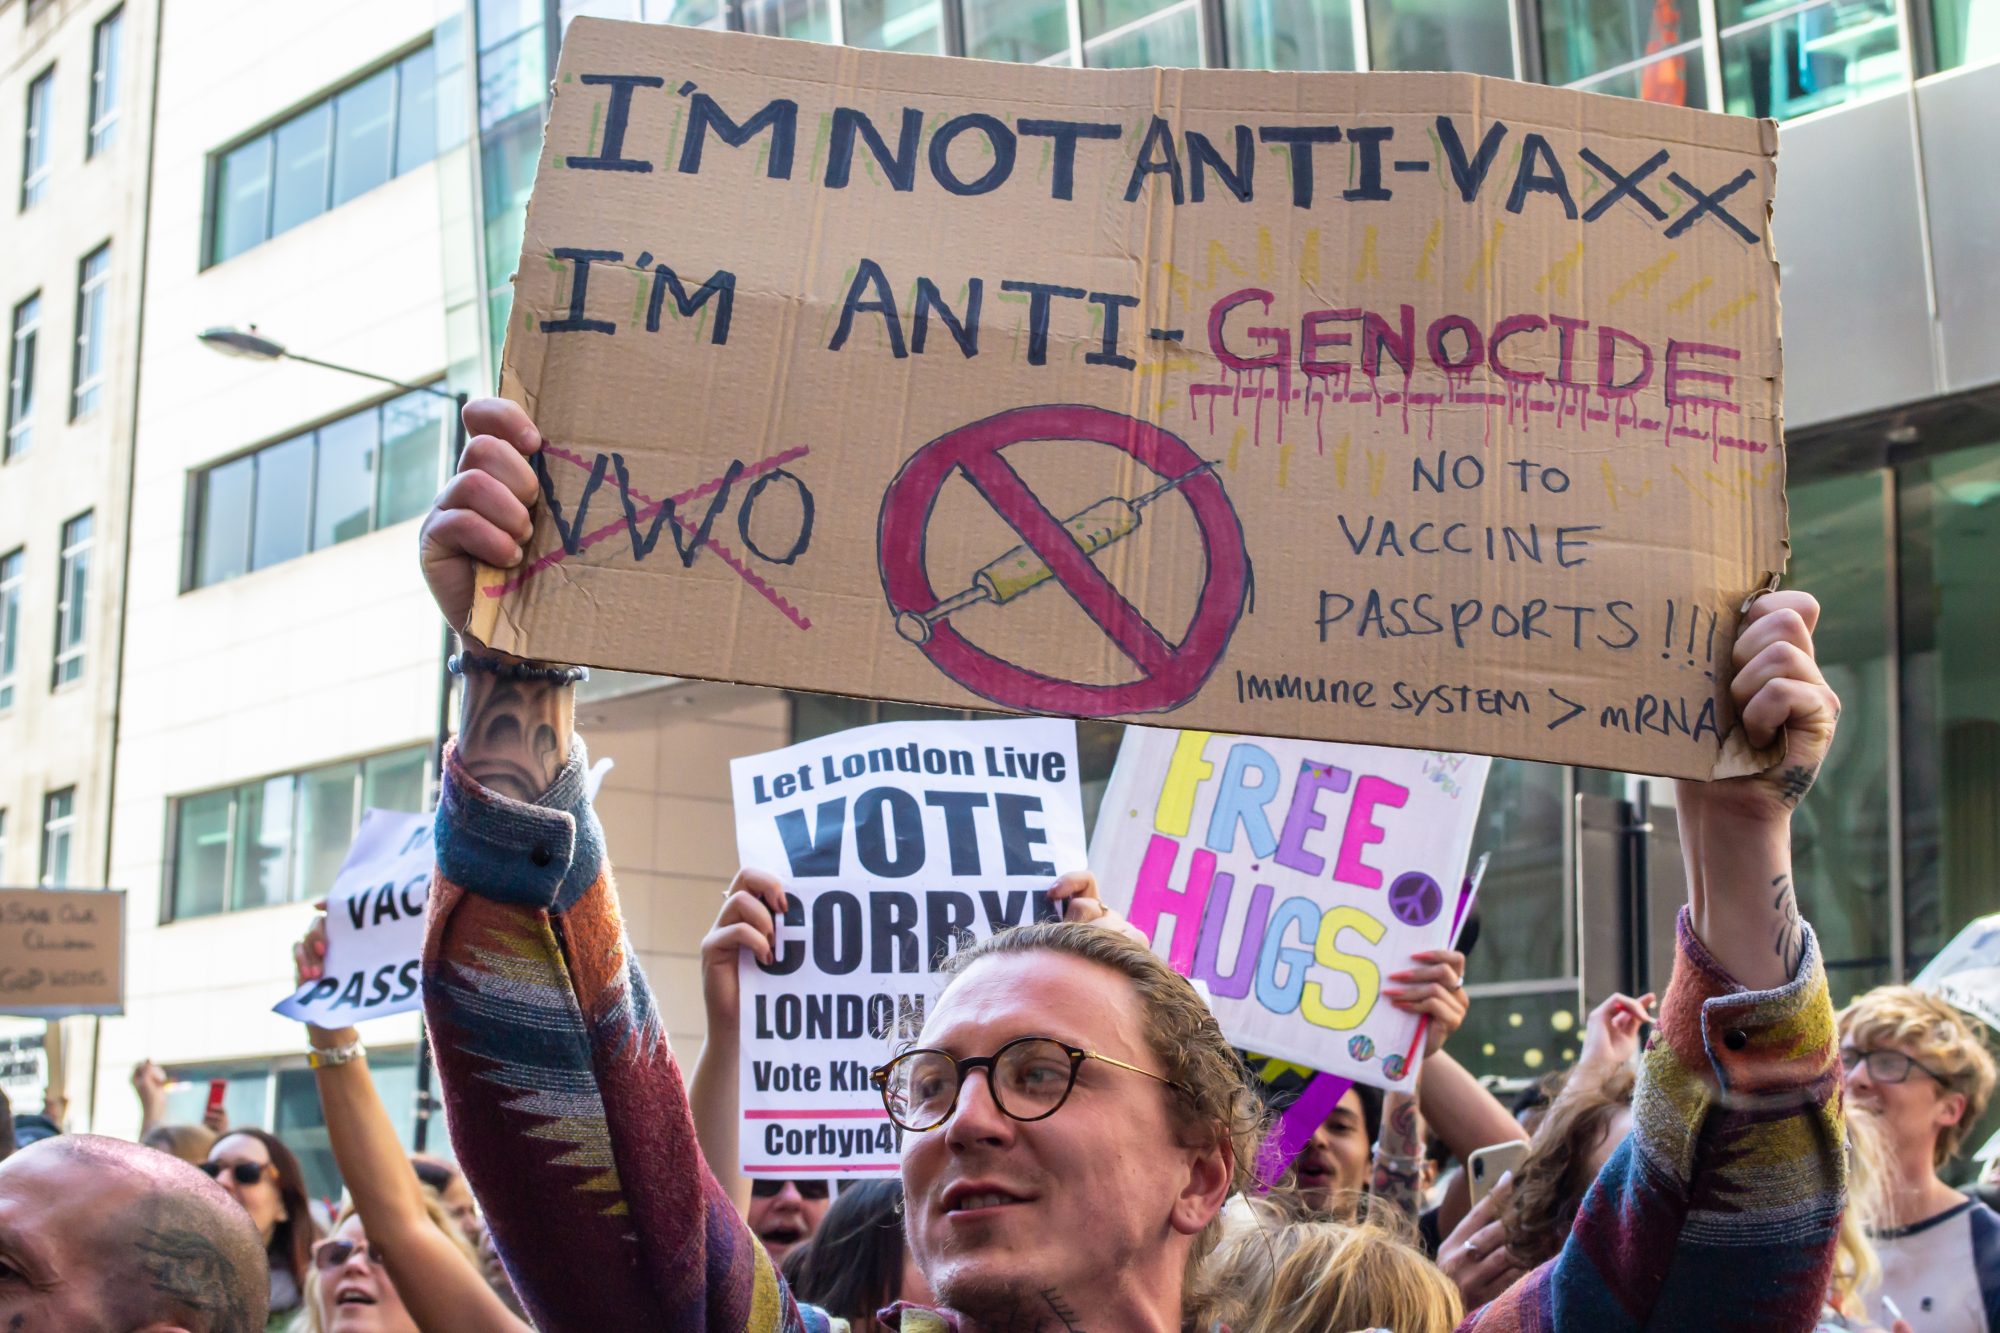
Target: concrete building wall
point(328, 656)
point(59, 737)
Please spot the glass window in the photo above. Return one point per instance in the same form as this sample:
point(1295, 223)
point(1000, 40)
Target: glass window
point(395, 781)
point(222, 527)
point(1951, 691)
point(501, 19)
point(106, 64)
point(1968, 31)
point(809, 20)
point(1291, 34)
point(345, 496)
point(58, 836)
point(687, 13)
point(412, 439)
point(1023, 30)
point(26, 333)
point(93, 313)
point(364, 124)
point(262, 851)
point(896, 25)
point(416, 109)
point(1172, 39)
point(13, 573)
point(279, 526)
point(242, 199)
point(201, 853)
point(507, 177)
point(73, 598)
point(245, 1098)
point(1841, 838)
point(300, 1122)
point(35, 164)
point(327, 820)
point(302, 152)
point(3, 846)
point(1585, 37)
point(513, 76)
point(1676, 79)
point(1808, 59)
point(1473, 36)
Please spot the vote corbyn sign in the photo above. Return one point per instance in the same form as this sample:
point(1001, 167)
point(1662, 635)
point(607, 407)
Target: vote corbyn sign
point(1417, 410)
point(897, 844)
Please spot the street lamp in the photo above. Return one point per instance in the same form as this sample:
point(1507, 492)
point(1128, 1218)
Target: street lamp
point(254, 346)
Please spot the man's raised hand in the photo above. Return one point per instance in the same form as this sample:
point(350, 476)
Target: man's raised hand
point(481, 516)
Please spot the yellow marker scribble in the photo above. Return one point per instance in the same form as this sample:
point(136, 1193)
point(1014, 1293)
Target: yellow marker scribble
point(1284, 464)
point(1559, 272)
point(1265, 259)
point(1484, 266)
point(1309, 258)
point(1377, 463)
point(1430, 248)
point(1686, 298)
point(1367, 268)
point(1236, 445)
point(1698, 492)
point(1216, 251)
point(1645, 279)
point(1612, 486)
point(1340, 460)
point(1732, 310)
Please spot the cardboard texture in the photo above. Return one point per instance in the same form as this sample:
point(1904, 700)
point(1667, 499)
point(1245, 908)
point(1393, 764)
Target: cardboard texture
point(62, 951)
point(1424, 410)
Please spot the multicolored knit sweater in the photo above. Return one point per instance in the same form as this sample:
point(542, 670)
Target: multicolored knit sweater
point(569, 1116)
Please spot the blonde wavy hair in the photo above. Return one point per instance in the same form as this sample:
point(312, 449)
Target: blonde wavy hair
point(1219, 1109)
point(1932, 1032)
point(308, 1321)
point(1857, 1272)
point(1278, 1271)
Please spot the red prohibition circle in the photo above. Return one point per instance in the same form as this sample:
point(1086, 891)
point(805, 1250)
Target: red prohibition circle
point(1171, 673)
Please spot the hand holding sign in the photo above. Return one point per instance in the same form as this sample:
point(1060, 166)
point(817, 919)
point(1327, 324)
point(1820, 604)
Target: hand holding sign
point(482, 513)
point(1435, 988)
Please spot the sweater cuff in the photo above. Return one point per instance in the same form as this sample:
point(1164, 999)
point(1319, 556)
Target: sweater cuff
point(1760, 1042)
point(543, 854)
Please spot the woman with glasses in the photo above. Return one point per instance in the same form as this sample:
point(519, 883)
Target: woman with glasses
point(1921, 1069)
point(264, 1178)
point(414, 1246)
point(349, 1290)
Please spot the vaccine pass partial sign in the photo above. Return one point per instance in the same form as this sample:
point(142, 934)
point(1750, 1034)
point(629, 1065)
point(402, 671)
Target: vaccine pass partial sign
point(896, 844)
point(1290, 878)
point(374, 925)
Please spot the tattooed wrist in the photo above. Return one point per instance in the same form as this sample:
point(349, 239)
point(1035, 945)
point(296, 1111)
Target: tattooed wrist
point(513, 735)
point(1794, 782)
point(1788, 932)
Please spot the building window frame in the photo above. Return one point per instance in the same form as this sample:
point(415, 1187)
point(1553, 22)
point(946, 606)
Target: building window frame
point(23, 342)
point(37, 139)
point(73, 599)
point(88, 371)
point(398, 63)
point(197, 507)
point(58, 838)
point(13, 578)
point(106, 65)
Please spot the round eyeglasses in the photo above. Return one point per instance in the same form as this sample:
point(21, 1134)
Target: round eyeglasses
point(1885, 1066)
point(1030, 1078)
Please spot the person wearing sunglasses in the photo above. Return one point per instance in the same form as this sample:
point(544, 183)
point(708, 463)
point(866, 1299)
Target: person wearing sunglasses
point(786, 1213)
point(349, 1289)
point(265, 1179)
point(1073, 1184)
point(1920, 1069)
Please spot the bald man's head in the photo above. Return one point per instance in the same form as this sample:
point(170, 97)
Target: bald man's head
point(113, 1236)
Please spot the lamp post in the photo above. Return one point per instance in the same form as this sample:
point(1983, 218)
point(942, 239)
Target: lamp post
point(254, 346)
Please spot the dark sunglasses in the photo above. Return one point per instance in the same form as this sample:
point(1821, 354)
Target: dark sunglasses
point(329, 1255)
point(771, 1189)
point(244, 1173)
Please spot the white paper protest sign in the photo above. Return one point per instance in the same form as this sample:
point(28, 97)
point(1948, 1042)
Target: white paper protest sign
point(374, 925)
point(1289, 878)
point(1966, 972)
point(894, 842)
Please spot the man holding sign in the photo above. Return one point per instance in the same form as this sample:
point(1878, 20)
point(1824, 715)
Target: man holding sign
point(1073, 1118)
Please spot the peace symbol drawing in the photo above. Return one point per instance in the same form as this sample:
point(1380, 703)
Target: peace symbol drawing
point(1057, 551)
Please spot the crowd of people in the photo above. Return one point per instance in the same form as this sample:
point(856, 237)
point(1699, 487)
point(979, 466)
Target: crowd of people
point(1080, 1142)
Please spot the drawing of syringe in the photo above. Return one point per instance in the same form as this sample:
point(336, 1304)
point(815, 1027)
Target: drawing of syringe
point(1001, 581)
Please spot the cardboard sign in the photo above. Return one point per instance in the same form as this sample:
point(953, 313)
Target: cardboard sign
point(1966, 972)
point(374, 925)
point(895, 843)
point(62, 951)
point(1289, 878)
point(1426, 410)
